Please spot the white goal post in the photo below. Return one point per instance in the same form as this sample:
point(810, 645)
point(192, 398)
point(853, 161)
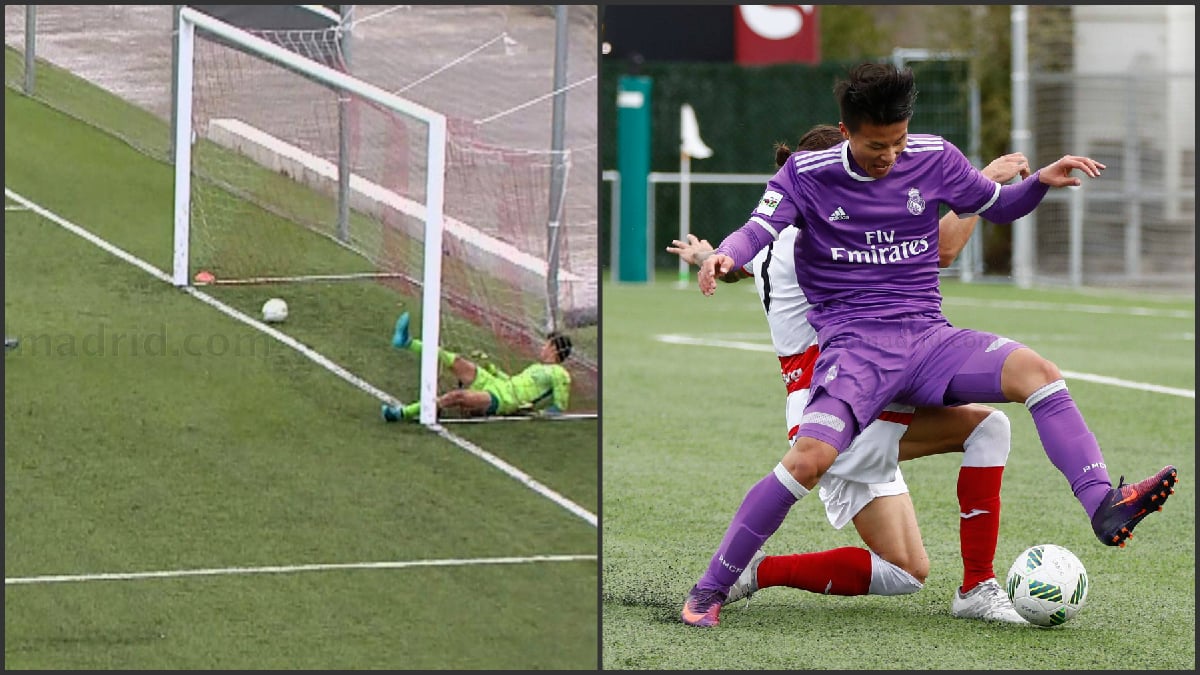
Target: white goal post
point(433, 209)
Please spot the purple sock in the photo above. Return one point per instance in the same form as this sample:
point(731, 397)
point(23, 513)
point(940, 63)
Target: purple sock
point(761, 513)
point(1069, 444)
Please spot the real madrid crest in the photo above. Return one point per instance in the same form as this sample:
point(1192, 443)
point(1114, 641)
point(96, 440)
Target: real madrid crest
point(916, 205)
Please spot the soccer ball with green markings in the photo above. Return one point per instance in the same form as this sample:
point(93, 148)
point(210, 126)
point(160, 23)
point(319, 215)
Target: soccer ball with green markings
point(1047, 585)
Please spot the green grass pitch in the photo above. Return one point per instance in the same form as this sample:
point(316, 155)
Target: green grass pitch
point(147, 432)
point(690, 425)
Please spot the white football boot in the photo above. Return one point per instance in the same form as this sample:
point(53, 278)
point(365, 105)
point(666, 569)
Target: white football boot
point(746, 584)
point(987, 601)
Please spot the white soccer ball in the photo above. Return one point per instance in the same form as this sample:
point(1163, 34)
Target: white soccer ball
point(274, 310)
point(1047, 585)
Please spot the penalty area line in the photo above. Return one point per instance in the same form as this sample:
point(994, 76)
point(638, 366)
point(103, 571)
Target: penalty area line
point(311, 354)
point(289, 569)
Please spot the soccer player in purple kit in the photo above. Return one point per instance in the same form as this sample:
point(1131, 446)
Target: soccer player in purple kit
point(867, 261)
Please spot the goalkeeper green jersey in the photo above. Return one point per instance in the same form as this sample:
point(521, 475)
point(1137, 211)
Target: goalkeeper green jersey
point(542, 385)
point(539, 386)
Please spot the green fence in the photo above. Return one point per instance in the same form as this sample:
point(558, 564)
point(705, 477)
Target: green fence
point(743, 112)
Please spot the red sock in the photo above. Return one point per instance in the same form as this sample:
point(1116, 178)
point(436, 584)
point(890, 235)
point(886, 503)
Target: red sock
point(840, 571)
point(979, 521)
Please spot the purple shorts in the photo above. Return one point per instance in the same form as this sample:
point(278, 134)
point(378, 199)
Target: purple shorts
point(868, 363)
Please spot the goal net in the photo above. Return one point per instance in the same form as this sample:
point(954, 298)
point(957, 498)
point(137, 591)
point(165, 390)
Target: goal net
point(299, 172)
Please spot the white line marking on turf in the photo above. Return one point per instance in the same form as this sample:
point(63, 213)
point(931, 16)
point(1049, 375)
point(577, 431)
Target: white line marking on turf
point(14, 208)
point(355, 276)
point(1128, 384)
point(1087, 377)
point(522, 477)
point(287, 569)
point(1069, 307)
point(705, 342)
point(312, 354)
point(562, 417)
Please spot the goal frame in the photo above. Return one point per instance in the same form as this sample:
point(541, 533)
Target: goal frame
point(189, 20)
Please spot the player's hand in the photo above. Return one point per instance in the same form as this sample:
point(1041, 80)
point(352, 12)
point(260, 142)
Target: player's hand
point(1005, 167)
point(714, 266)
point(688, 251)
point(1058, 174)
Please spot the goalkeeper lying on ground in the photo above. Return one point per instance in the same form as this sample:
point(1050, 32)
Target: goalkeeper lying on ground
point(543, 387)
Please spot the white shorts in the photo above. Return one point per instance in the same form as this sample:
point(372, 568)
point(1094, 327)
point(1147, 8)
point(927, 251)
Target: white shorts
point(843, 496)
point(843, 499)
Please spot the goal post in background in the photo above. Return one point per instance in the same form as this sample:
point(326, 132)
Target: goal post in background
point(435, 167)
point(304, 190)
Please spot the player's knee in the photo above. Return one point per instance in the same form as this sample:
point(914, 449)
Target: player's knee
point(1036, 369)
point(805, 461)
point(914, 563)
point(990, 442)
point(1025, 372)
point(1047, 370)
point(890, 579)
point(917, 569)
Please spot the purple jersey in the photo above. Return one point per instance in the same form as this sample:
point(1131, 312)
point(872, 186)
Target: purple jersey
point(870, 246)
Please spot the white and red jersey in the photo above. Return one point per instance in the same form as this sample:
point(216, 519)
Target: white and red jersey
point(795, 340)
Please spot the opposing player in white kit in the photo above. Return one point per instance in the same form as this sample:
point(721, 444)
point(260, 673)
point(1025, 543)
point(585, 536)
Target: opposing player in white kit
point(895, 560)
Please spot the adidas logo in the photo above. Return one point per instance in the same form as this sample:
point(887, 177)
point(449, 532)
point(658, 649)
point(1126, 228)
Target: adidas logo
point(839, 215)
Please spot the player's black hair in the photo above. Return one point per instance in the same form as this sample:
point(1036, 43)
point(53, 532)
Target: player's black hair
point(876, 93)
point(562, 344)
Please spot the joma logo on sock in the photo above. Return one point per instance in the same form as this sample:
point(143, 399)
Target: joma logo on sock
point(731, 568)
point(1094, 465)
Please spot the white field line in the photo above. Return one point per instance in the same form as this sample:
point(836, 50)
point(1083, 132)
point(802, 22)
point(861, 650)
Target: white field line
point(520, 476)
point(1128, 384)
point(1035, 305)
point(288, 569)
point(312, 354)
point(1071, 307)
point(1069, 374)
point(14, 208)
point(353, 276)
point(564, 417)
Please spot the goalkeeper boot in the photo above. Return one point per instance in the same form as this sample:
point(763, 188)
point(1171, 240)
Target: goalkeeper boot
point(400, 337)
point(747, 584)
point(702, 608)
point(1126, 506)
point(987, 601)
point(392, 413)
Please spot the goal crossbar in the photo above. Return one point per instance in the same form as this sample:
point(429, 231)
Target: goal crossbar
point(189, 21)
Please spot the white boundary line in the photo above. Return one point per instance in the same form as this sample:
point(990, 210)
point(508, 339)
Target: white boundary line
point(288, 569)
point(312, 354)
point(1129, 384)
point(1069, 374)
point(1070, 307)
point(353, 276)
point(563, 417)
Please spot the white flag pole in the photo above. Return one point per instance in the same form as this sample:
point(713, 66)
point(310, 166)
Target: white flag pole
point(690, 145)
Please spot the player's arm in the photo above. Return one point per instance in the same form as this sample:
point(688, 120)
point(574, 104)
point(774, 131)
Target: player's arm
point(972, 193)
point(775, 211)
point(561, 396)
point(1020, 199)
point(954, 231)
point(695, 251)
